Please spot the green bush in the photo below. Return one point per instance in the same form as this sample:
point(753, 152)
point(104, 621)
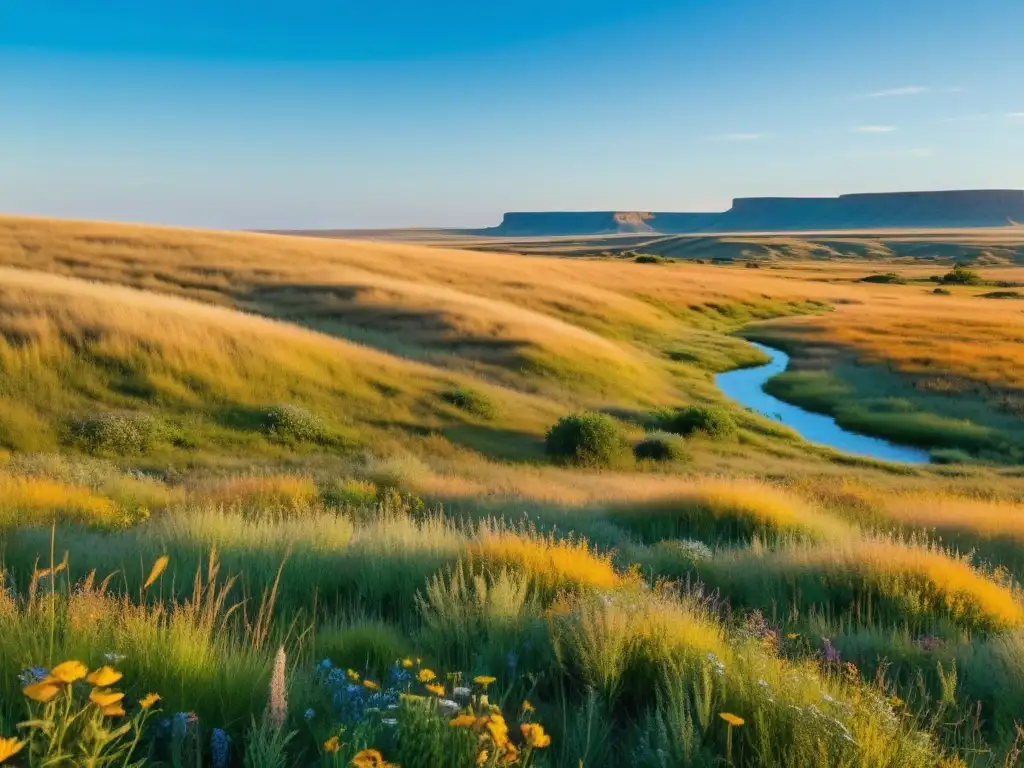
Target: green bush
point(471, 401)
point(650, 258)
point(890, 278)
point(708, 420)
point(115, 432)
point(290, 423)
point(961, 275)
point(661, 446)
point(587, 440)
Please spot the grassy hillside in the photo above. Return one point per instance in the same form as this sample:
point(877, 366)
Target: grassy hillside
point(340, 448)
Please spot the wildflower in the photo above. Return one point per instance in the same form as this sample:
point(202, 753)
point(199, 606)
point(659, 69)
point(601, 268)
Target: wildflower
point(277, 705)
point(829, 652)
point(463, 721)
point(332, 745)
point(896, 702)
point(534, 736)
point(498, 730)
point(114, 710)
point(484, 680)
point(426, 676)
point(10, 747)
point(483, 701)
point(33, 675)
point(826, 697)
point(481, 759)
point(410, 697)
point(528, 707)
point(352, 675)
point(731, 719)
point(434, 688)
point(104, 677)
point(406, 663)
point(42, 691)
point(309, 714)
point(113, 658)
point(220, 748)
point(149, 700)
point(104, 698)
point(763, 683)
point(368, 758)
point(511, 754)
point(370, 685)
point(325, 664)
point(69, 672)
point(792, 635)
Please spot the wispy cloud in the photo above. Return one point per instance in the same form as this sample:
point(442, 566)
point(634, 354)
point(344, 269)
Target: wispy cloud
point(738, 136)
point(907, 90)
point(922, 152)
point(968, 118)
point(875, 128)
point(1015, 115)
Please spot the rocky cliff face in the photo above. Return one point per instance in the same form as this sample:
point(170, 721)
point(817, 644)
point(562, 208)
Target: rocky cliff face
point(967, 208)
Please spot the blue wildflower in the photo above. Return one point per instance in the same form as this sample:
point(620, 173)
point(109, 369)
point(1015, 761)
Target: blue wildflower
point(220, 747)
point(32, 675)
point(310, 714)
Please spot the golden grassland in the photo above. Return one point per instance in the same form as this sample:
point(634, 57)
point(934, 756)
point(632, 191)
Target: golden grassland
point(339, 447)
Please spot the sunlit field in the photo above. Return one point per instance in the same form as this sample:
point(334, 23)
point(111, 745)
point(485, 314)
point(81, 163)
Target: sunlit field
point(281, 501)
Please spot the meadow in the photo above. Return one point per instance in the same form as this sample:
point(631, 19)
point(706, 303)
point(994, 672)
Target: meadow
point(283, 501)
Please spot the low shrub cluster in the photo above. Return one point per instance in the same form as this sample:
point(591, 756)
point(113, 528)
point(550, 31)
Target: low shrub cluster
point(662, 446)
point(290, 423)
point(588, 439)
point(115, 432)
point(704, 420)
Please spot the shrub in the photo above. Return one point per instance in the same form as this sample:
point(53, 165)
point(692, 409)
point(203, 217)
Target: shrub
point(115, 432)
point(587, 440)
point(471, 401)
point(650, 258)
point(708, 420)
point(961, 275)
point(290, 423)
point(661, 446)
point(941, 291)
point(889, 278)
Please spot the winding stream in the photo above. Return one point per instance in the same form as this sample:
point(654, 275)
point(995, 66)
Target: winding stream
point(746, 386)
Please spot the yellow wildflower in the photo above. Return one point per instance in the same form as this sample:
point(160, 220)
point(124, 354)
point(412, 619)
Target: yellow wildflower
point(371, 685)
point(484, 680)
point(732, 720)
point(426, 676)
point(332, 745)
point(104, 677)
point(10, 747)
point(69, 672)
point(498, 729)
point(103, 698)
point(368, 758)
point(149, 700)
point(511, 754)
point(462, 721)
point(410, 697)
point(896, 702)
point(352, 675)
point(792, 635)
point(158, 567)
point(482, 757)
point(406, 663)
point(534, 736)
point(434, 688)
point(528, 707)
point(41, 691)
point(114, 710)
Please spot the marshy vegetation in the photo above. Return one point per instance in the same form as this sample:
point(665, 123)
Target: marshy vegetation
point(275, 502)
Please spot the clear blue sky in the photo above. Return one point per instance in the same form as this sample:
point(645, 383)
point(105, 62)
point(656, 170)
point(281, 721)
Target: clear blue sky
point(345, 113)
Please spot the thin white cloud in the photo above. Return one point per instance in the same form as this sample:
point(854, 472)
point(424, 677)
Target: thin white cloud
point(875, 128)
point(907, 90)
point(739, 136)
point(922, 152)
point(1015, 115)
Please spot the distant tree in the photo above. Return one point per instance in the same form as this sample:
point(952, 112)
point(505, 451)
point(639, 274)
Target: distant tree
point(961, 275)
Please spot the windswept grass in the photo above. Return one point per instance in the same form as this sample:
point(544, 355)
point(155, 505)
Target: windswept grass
point(727, 511)
point(869, 580)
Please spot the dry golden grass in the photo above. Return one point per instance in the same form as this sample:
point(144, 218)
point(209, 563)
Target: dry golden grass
point(986, 518)
point(37, 501)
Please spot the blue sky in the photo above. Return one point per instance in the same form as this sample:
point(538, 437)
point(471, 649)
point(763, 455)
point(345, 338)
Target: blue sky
point(320, 113)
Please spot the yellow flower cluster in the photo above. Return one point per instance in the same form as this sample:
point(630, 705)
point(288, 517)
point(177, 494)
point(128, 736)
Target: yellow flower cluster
point(492, 731)
point(371, 758)
point(63, 675)
point(9, 748)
